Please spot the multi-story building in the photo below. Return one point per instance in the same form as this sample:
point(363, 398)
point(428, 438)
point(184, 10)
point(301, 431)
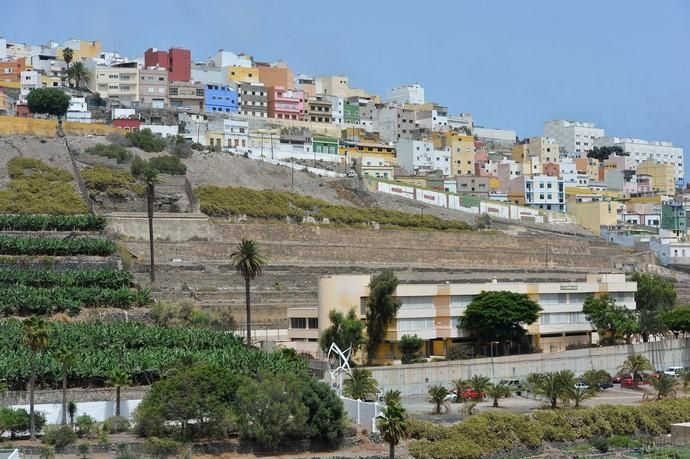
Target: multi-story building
point(287, 104)
point(394, 123)
point(243, 74)
point(595, 213)
point(405, 94)
point(81, 49)
point(473, 185)
point(318, 110)
point(337, 108)
point(153, 88)
point(220, 98)
point(306, 83)
point(119, 83)
point(575, 138)
point(662, 179)
point(235, 133)
point(462, 153)
point(335, 85)
point(186, 94)
point(229, 59)
point(462, 122)
point(376, 167)
point(178, 61)
point(253, 99)
point(642, 150)
point(208, 74)
point(433, 311)
point(501, 136)
point(11, 70)
point(357, 148)
point(278, 74)
point(442, 161)
point(29, 80)
point(544, 148)
point(544, 192)
point(433, 117)
point(351, 113)
point(673, 218)
point(78, 110)
point(415, 155)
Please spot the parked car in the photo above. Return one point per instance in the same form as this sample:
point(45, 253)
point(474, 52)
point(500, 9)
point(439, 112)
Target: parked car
point(673, 371)
point(513, 384)
point(627, 381)
point(605, 385)
point(471, 394)
point(581, 385)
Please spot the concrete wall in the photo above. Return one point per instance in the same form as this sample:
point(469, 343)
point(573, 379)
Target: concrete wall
point(416, 379)
point(100, 410)
point(173, 227)
point(11, 125)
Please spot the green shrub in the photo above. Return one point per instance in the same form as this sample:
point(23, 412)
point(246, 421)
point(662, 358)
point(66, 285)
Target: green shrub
point(424, 430)
point(600, 442)
point(46, 278)
point(17, 421)
point(30, 222)
point(112, 151)
point(59, 436)
point(168, 164)
point(622, 441)
point(147, 140)
point(454, 448)
point(117, 424)
point(138, 166)
point(114, 183)
point(13, 245)
point(86, 426)
point(161, 448)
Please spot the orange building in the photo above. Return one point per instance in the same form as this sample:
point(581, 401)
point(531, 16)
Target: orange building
point(276, 76)
point(10, 70)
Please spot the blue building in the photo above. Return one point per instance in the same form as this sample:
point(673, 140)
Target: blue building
point(220, 99)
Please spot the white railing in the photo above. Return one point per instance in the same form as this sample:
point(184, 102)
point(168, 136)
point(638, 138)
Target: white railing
point(362, 413)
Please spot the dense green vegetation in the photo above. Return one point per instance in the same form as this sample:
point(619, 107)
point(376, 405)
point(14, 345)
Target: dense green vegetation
point(11, 245)
point(144, 352)
point(114, 183)
point(28, 222)
point(14, 421)
point(37, 188)
point(494, 431)
point(223, 202)
point(44, 278)
point(168, 164)
point(112, 151)
point(147, 140)
point(23, 300)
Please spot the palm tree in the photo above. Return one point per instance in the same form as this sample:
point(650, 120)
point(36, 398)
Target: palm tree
point(67, 358)
point(552, 385)
point(497, 391)
point(118, 378)
point(67, 55)
point(437, 396)
point(36, 339)
point(248, 263)
point(579, 394)
point(392, 425)
point(150, 177)
point(634, 365)
point(479, 384)
point(391, 396)
point(360, 385)
point(595, 377)
point(664, 386)
point(78, 73)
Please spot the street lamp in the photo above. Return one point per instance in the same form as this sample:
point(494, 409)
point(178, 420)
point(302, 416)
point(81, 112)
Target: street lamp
point(492, 347)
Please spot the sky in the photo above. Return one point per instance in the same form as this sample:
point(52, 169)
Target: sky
point(622, 64)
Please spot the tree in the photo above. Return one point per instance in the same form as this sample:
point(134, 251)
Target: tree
point(36, 339)
point(360, 385)
point(655, 294)
point(611, 321)
point(677, 320)
point(67, 358)
point(634, 365)
point(67, 55)
point(595, 377)
point(392, 396)
point(603, 153)
point(579, 394)
point(150, 177)
point(118, 378)
point(249, 263)
point(326, 413)
point(79, 74)
point(382, 306)
point(392, 425)
point(479, 384)
point(409, 346)
point(270, 409)
point(345, 331)
point(552, 385)
point(48, 101)
point(499, 316)
point(664, 386)
point(437, 396)
point(497, 391)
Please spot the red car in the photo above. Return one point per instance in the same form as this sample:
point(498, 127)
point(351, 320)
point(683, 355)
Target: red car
point(627, 381)
point(471, 394)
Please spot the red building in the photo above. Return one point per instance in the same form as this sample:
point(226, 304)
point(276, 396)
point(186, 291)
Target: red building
point(178, 61)
point(128, 124)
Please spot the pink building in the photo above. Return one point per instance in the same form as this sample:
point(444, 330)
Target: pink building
point(552, 169)
point(286, 104)
point(481, 158)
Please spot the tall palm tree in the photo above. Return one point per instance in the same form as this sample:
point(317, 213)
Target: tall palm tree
point(437, 395)
point(150, 177)
point(664, 386)
point(118, 378)
point(78, 73)
point(67, 358)
point(479, 383)
point(36, 339)
point(634, 365)
point(392, 425)
point(360, 385)
point(497, 391)
point(67, 55)
point(248, 262)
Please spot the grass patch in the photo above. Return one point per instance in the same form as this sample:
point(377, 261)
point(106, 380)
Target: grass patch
point(147, 140)
point(223, 202)
point(112, 151)
point(114, 183)
point(38, 188)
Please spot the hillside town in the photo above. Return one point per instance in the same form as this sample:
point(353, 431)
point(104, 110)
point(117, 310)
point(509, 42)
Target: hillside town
point(228, 257)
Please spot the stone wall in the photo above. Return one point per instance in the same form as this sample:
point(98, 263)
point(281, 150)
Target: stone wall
point(73, 394)
point(416, 379)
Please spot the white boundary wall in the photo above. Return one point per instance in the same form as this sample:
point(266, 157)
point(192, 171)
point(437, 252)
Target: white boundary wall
point(100, 411)
point(362, 413)
point(415, 379)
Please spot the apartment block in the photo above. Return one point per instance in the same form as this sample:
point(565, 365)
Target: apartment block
point(394, 123)
point(153, 88)
point(405, 94)
point(11, 70)
point(229, 59)
point(235, 133)
point(358, 148)
point(432, 117)
point(501, 136)
point(253, 99)
point(462, 153)
point(433, 311)
point(220, 98)
point(473, 185)
point(662, 179)
point(333, 85)
point(186, 94)
point(318, 110)
point(278, 74)
point(575, 138)
point(415, 155)
point(178, 61)
point(285, 103)
point(29, 80)
point(243, 74)
point(306, 83)
point(119, 83)
point(544, 192)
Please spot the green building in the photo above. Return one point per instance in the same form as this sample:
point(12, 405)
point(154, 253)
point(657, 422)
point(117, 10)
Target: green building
point(673, 218)
point(351, 113)
point(324, 144)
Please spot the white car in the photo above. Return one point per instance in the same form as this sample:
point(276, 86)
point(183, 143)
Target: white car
point(581, 386)
point(673, 371)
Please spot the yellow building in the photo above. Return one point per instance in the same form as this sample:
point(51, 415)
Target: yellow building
point(663, 177)
point(595, 214)
point(356, 149)
point(243, 74)
point(81, 49)
point(50, 81)
point(544, 148)
point(462, 153)
point(214, 139)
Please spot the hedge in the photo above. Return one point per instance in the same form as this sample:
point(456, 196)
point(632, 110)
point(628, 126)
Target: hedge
point(30, 222)
point(11, 245)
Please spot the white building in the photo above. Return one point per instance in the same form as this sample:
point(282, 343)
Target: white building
point(434, 119)
point(568, 171)
point(441, 160)
point(119, 83)
point(458, 122)
point(506, 136)
point(575, 138)
point(642, 150)
point(29, 80)
point(78, 110)
point(406, 94)
point(671, 251)
point(3, 48)
point(415, 155)
point(236, 133)
point(208, 74)
point(227, 58)
point(545, 192)
point(337, 108)
point(162, 130)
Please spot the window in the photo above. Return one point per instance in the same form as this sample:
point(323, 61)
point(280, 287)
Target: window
point(416, 302)
point(410, 325)
point(313, 322)
point(298, 322)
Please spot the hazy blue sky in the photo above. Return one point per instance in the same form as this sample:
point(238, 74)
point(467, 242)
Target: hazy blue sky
point(624, 65)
